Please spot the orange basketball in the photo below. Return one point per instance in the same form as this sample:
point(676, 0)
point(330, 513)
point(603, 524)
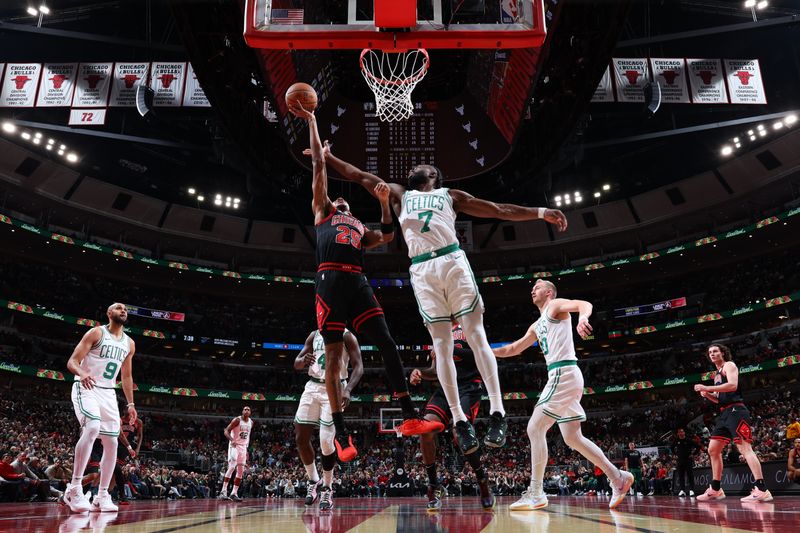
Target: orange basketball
point(303, 94)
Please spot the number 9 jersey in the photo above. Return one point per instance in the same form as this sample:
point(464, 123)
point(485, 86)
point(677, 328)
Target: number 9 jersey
point(105, 358)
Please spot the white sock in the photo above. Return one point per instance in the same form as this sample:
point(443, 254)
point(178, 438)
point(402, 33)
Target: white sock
point(442, 335)
point(573, 437)
point(311, 471)
point(327, 478)
point(235, 490)
point(83, 449)
point(484, 358)
point(224, 487)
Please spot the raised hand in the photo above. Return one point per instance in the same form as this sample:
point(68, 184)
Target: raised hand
point(556, 217)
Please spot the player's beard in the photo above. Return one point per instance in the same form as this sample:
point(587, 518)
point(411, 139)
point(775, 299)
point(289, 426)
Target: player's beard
point(118, 320)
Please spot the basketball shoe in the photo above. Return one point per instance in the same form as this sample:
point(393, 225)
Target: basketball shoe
point(418, 426)
point(756, 495)
point(102, 503)
point(711, 494)
point(313, 492)
point(435, 495)
point(618, 493)
point(465, 434)
point(75, 500)
point(496, 435)
point(325, 499)
point(345, 448)
point(530, 501)
point(487, 497)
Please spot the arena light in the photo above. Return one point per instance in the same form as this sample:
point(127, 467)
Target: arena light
point(597, 195)
point(51, 141)
point(578, 199)
point(38, 135)
point(217, 201)
point(191, 190)
point(736, 139)
point(750, 132)
point(32, 11)
point(236, 200)
point(606, 187)
point(9, 127)
point(26, 135)
point(738, 145)
point(36, 140)
point(61, 152)
point(44, 9)
point(763, 133)
point(726, 150)
point(567, 200)
point(200, 198)
point(777, 125)
point(62, 147)
point(557, 198)
point(791, 119)
point(49, 146)
point(72, 157)
point(760, 127)
point(762, 4)
point(752, 137)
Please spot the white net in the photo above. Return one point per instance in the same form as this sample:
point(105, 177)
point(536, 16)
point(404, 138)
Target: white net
point(392, 76)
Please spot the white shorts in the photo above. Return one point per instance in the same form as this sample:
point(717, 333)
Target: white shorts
point(314, 408)
point(444, 287)
point(237, 455)
point(97, 404)
point(561, 397)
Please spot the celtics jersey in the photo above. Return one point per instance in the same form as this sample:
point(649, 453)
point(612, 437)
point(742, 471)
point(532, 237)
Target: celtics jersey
point(317, 370)
point(241, 433)
point(428, 221)
point(105, 358)
point(555, 338)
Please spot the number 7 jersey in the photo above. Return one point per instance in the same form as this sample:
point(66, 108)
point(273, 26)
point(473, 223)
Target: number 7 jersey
point(428, 220)
point(105, 358)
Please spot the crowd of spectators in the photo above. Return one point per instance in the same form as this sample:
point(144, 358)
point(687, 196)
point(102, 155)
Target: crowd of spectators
point(37, 436)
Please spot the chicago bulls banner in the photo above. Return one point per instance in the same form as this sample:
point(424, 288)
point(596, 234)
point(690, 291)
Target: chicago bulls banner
point(707, 81)
point(630, 75)
point(167, 80)
point(127, 77)
point(670, 74)
point(604, 91)
point(744, 81)
point(194, 96)
point(57, 85)
point(94, 80)
point(19, 84)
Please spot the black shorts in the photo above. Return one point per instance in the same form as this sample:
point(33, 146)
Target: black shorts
point(469, 393)
point(343, 299)
point(92, 467)
point(734, 424)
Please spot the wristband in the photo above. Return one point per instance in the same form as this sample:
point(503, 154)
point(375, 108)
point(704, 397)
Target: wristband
point(131, 404)
point(541, 212)
point(387, 228)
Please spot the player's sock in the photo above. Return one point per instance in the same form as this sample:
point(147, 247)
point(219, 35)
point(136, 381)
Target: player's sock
point(83, 449)
point(442, 335)
point(109, 461)
point(311, 471)
point(537, 433)
point(573, 437)
point(474, 460)
point(102, 493)
point(328, 462)
point(484, 359)
point(433, 477)
point(224, 489)
point(338, 423)
point(760, 485)
point(716, 484)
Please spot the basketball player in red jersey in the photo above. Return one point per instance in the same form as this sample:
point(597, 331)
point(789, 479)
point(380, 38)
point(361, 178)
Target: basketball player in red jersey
point(344, 295)
point(733, 423)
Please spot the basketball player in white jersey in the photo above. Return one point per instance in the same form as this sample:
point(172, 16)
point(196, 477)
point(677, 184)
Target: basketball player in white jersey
point(238, 434)
point(442, 278)
point(314, 411)
point(560, 402)
point(102, 353)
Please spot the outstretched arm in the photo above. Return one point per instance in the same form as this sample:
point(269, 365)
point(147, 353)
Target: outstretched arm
point(518, 346)
point(321, 205)
point(374, 238)
point(466, 203)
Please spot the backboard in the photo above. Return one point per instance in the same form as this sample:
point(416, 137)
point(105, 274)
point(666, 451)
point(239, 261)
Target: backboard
point(350, 24)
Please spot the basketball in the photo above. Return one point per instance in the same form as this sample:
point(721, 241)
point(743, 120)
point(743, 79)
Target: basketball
point(303, 94)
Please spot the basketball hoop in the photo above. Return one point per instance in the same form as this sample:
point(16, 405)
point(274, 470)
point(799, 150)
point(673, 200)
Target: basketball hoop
point(392, 76)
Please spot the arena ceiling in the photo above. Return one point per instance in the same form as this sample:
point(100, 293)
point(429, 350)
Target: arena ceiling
point(567, 144)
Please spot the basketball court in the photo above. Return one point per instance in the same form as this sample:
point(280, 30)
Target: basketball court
point(459, 515)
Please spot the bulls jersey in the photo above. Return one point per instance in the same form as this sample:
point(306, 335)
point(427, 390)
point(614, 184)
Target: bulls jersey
point(727, 398)
point(105, 358)
point(466, 368)
point(339, 242)
point(555, 338)
point(241, 433)
point(129, 430)
point(428, 220)
point(317, 370)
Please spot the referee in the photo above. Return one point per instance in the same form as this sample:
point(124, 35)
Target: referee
point(684, 450)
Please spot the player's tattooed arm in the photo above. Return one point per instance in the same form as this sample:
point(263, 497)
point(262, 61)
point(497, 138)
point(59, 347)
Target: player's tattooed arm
point(89, 339)
point(518, 346)
point(306, 356)
point(466, 203)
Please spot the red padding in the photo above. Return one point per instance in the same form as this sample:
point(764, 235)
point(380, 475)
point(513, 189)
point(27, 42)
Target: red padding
point(395, 13)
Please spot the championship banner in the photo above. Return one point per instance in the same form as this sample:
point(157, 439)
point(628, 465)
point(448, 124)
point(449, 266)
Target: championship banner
point(127, 77)
point(464, 234)
point(630, 77)
point(94, 80)
point(646, 309)
point(707, 81)
point(57, 85)
point(670, 74)
point(604, 91)
point(167, 80)
point(194, 96)
point(155, 313)
point(744, 81)
point(19, 84)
